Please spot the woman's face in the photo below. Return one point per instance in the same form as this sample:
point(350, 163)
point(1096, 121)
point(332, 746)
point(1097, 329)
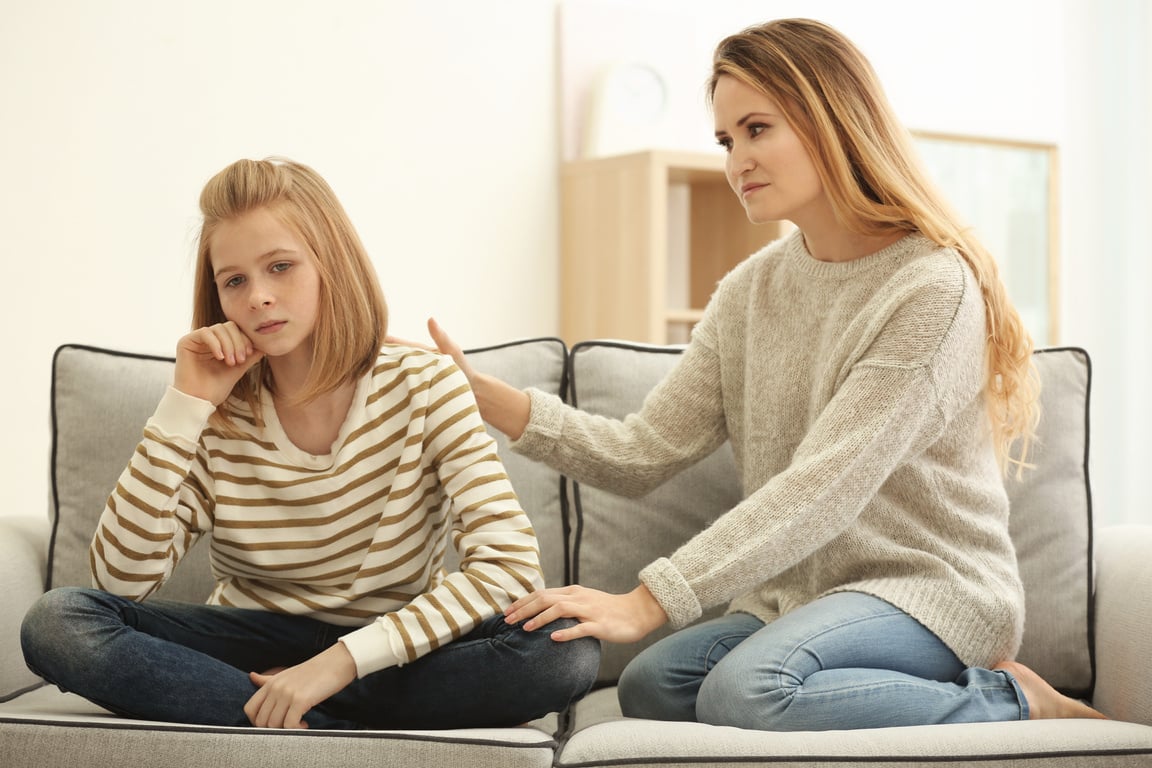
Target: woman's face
point(267, 281)
point(767, 166)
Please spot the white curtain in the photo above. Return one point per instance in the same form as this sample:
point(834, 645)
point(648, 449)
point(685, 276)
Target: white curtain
point(1107, 247)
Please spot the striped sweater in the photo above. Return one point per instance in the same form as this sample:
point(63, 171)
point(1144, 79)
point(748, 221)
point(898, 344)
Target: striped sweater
point(356, 537)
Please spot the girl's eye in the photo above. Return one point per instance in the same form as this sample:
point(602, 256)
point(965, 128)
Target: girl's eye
point(233, 281)
point(280, 266)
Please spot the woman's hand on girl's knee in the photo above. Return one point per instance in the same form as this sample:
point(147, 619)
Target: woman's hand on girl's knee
point(615, 618)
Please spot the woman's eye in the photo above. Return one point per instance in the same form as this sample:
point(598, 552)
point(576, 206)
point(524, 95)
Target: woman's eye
point(725, 142)
point(755, 129)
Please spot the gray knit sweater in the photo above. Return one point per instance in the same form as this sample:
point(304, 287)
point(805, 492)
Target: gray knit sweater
point(852, 396)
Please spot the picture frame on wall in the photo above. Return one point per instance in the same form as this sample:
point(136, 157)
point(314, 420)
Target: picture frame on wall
point(1007, 192)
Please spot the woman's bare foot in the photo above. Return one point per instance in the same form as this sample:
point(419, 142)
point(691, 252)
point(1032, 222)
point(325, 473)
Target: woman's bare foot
point(1044, 701)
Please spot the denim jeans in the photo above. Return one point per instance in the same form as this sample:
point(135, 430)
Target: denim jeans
point(844, 661)
point(188, 663)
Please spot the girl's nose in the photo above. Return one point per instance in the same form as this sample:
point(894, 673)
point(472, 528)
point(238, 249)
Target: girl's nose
point(259, 299)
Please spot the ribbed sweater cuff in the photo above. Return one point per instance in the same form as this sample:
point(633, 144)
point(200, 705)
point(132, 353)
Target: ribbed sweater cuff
point(672, 591)
point(181, 416)
point(374, 648)
point(545, 423)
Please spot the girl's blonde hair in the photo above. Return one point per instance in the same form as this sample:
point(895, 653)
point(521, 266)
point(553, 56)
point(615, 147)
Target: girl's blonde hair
point(865, 158)
point(352, 320)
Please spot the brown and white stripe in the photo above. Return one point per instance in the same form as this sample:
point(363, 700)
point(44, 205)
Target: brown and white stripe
point(356, 537)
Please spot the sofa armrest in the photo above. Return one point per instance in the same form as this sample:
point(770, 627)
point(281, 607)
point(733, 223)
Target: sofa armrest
point(1123, 622)
point(23, 565)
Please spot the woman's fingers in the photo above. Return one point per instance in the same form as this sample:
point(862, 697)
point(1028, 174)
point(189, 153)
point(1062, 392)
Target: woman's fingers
point(615, 618)
point(449, 347)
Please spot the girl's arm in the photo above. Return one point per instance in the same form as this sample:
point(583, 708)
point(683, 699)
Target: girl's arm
point(158, 508)
point(161, 503)
point(497, 547)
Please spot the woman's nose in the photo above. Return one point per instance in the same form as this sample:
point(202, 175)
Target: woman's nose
point(740, 160)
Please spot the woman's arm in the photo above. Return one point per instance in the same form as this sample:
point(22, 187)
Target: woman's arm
point(501, 405)
point(681, 421)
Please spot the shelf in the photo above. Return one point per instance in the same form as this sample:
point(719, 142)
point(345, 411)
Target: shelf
point(645, 237)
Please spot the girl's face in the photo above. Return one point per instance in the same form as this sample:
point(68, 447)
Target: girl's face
point(767, 166)
point(268, 283)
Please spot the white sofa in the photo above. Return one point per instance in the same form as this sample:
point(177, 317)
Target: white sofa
point(1088, 628)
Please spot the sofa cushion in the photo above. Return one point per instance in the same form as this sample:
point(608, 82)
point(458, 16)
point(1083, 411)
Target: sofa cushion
point(601, 737)
point(614, 536)
point(1051, 525)
point(540, 363)
point(1050, 507)
point(101, 399)
point(50, 729)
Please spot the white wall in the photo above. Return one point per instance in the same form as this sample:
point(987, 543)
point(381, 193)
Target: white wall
point(437, 124)
point(433, 121)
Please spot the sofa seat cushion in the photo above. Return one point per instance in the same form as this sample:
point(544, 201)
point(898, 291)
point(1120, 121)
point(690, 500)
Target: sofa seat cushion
point(601, 736)
point(81, 733)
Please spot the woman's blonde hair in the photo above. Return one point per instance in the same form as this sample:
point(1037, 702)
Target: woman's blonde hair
point(870, 171)
point(352, 320)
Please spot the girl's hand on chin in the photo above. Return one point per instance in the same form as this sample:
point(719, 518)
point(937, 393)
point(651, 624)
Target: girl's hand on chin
point(210, 360)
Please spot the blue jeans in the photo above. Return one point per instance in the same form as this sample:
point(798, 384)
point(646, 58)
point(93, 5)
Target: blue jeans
point(844, 661)
point(188, 663)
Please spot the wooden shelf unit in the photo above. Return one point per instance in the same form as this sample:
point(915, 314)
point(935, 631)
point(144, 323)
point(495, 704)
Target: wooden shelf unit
point(644, 239)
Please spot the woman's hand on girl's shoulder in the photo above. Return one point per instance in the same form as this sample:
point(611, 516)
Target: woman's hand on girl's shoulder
point(444, 345)
point(210, 360)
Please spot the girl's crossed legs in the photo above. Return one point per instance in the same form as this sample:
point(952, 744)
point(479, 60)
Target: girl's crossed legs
point(189, 663)
point(848, 660)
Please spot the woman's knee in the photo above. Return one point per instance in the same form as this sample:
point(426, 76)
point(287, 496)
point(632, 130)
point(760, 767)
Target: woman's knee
point(736, 696)
point(650, 688)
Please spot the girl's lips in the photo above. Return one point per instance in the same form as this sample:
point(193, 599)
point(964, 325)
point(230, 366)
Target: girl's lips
point(270, 327)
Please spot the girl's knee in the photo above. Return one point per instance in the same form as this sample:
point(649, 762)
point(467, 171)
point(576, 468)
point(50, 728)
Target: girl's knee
point(47, 625)
point(568, 667)
point(50, 612)
point(57, 616)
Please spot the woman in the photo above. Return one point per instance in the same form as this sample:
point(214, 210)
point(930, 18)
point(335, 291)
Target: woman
point(873, 379)
point(332, 470)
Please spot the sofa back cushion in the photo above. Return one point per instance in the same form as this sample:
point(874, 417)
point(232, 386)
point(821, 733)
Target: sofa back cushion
point(539, 363)
point(1050, 507)
point(101, 399)
point(614, 536)
point(1051, 525)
